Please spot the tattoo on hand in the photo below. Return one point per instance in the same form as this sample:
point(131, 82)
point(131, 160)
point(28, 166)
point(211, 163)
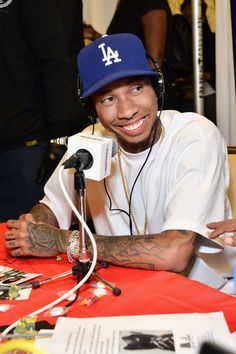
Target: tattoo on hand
point(42, 213)
point(46, 240)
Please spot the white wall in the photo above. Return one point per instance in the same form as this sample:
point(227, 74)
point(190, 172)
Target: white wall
point(225, 83)
point(99, 13)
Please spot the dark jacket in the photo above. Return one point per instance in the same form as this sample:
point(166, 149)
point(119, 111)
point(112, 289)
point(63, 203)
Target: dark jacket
point(71, 16)
point(35, 74)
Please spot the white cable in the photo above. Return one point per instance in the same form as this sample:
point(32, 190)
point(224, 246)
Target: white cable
point(86, 277)
point(73, 206)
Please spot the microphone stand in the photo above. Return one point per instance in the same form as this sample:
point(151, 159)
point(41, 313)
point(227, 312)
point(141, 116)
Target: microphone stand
point(82, 258)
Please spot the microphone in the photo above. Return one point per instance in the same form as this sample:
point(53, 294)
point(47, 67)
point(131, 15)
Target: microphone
point(82, 160)
point(92, 154)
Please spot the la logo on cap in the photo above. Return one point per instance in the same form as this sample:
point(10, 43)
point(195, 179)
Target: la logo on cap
point(109, 56)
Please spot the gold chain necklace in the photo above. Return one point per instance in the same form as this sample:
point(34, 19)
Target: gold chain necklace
point(138, 229)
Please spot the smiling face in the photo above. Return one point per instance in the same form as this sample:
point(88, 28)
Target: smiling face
point(128, 108)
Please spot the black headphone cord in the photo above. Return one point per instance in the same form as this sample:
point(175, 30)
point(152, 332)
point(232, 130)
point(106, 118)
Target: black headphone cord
point(139, 173)
point(110, 202)
point(135, 181)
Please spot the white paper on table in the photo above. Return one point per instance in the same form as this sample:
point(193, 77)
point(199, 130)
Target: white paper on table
point(113, 335)
point(44, 342)
point(10, 276)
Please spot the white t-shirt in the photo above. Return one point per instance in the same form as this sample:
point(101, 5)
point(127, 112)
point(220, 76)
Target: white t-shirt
point(182, 186)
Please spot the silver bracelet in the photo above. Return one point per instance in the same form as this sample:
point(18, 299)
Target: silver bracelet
point(73, 246)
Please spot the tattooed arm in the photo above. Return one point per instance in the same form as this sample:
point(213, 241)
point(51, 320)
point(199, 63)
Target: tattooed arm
point(169, 250)
point(42, 213)
point(36, 234)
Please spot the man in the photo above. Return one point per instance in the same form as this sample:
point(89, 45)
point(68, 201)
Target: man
point(168, 178)
point(36, 99)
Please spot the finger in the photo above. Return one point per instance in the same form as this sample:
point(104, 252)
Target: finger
point(13, 224)
point(16, 252)
point(222, 227)
point(9, 235)
point(12, 244)
point(219, 224)
point(22, 217)
point(227, 225)
point(27, 217)
point(213, 225)
point(18, 225)
point(217, 232)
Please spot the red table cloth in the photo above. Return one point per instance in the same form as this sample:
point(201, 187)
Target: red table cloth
point(143, 292)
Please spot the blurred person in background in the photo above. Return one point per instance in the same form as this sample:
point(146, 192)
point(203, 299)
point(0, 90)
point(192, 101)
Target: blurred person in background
point(37, 98)
point(71, 16)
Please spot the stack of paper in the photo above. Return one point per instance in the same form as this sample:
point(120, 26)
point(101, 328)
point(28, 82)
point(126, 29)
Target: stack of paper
point(172, 333)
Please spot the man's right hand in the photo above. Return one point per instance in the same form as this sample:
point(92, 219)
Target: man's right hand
point(25, 237)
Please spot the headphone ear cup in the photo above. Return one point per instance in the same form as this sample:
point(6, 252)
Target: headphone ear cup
point(86, 102)
point(160, 85)
point(158, 80)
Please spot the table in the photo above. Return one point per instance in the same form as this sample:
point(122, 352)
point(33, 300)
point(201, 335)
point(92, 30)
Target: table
point(143, 292)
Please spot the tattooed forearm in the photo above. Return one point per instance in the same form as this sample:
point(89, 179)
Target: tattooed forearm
point(135, 251)
point(42, 213)
point(165, 251)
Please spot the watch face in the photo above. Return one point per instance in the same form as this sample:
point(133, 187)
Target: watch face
point(4, 3)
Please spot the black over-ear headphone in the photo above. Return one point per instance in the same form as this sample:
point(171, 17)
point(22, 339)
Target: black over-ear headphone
point(156, 80)
point(86, 102)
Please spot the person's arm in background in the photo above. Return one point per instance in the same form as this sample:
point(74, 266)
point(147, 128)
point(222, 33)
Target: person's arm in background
point(155, 33)
point(221, 227)
point(90, 33)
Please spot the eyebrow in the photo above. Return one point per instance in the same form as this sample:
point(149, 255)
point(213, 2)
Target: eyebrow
point(130, 80)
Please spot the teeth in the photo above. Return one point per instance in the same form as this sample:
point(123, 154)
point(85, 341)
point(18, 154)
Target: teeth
point(134, 125)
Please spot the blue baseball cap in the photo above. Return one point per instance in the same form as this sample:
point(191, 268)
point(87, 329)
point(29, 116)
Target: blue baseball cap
point(110, 58)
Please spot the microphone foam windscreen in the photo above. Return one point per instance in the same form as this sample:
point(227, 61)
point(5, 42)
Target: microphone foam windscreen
point(101, 150)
